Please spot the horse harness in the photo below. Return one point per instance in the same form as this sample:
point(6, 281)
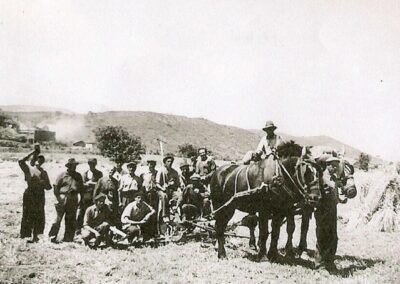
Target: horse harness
point(265, 187)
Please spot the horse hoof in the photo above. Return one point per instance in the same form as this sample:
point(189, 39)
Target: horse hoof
point(275, 257)
point(222, 256)
point(262, 258)
point(290, 254)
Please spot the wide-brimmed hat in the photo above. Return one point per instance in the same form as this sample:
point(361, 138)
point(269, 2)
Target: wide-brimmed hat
point(100, 196)
point(92, 161)
point(332, 159)
point(71, 162)
point(195, 177)
point(184, 164)
point(168, 156)
point(132, 164)
point(269, 124)
point(139, 193)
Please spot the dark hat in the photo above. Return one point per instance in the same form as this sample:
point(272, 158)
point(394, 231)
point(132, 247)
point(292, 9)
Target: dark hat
point(71, 162)
point(92, 161)
point(100, 196)
point(132, 164)
point(151, 162)
point(168, 156)
point(184, 164)
point(269, 124)
point(139, 193)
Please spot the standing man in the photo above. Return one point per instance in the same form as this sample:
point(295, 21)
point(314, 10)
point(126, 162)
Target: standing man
point(37, 179)
point(108, 186)
point(90, 179)
point(205, 166)
point(326, 218)
point(68, 185)
point(270, 142)
point(135, 218)
point(97, 222)
point(168, 183)
point(129, 185)
point(151, 195)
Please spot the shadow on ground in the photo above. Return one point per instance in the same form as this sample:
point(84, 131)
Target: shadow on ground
point(346, 264)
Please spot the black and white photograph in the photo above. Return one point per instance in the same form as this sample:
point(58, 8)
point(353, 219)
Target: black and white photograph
point(200, 141)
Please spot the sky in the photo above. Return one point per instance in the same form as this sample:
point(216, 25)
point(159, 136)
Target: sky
point(313, 67)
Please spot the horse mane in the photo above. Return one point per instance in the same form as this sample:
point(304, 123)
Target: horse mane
point(289, 149)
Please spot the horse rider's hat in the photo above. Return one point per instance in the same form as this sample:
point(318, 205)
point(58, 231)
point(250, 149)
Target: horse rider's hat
point(151, 162)
point(71, 162)
point(92, 161)
point(168, 156)
point(269, 124)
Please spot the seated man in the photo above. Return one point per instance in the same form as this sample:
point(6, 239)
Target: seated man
point(135, 218)
point(97, 222)
point(194, 200)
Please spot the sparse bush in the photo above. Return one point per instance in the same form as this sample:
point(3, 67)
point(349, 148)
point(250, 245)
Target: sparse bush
point(115, 142)
point(187, 150)
point(363, 161)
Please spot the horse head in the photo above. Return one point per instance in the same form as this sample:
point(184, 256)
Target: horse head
point(303, 171)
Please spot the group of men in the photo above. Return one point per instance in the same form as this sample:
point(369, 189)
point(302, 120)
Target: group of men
point(140, 205)
point(96, 206)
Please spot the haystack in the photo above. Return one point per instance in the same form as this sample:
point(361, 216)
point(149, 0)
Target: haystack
point(379, 202)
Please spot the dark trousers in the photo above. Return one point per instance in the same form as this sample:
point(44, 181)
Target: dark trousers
point(33, 216)
point(326, 230)
point(67, 207)
point(86, 202)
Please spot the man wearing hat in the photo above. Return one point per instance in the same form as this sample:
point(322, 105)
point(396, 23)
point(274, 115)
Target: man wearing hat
point(185, 173)
point(90, 179)
point(193, 201)
point(270, 142)
point(108, 186)
point(129, 185)
point(326, 215)
point(68, 185)
point(135, 218)
point(205, 166)
point(37, 179)
point(168, 183)
point(151, 196)
point(97, 222)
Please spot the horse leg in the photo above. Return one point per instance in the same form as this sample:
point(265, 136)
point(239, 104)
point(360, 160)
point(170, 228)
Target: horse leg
point(263, 234)
point(252, 241)
point(290, 227)
point(273, 254)
point(305, 222)
point(221, 221)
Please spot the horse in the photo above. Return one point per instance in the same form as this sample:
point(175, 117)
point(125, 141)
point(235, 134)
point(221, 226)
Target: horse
point(269, 187)
point(346, 187)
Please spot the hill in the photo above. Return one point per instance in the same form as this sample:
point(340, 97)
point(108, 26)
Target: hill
point(227, 142)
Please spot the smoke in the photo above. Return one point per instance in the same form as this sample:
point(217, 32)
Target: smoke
point(70, 129)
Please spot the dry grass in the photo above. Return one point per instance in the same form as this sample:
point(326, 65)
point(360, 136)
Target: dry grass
point(364, 256)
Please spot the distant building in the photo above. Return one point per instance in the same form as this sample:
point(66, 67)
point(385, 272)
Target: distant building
point(82, 145)
point(42, 135)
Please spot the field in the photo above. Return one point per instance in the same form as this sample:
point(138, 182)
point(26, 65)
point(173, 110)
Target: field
point(364, 255)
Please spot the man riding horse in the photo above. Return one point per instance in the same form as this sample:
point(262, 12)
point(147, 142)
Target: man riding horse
point(268, 187)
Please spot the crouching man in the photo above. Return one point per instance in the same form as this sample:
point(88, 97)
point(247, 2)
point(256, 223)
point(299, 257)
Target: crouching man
point(135, 218)
point(97, 222)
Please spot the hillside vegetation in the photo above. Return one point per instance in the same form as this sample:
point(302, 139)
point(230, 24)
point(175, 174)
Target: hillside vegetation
point(226, 142)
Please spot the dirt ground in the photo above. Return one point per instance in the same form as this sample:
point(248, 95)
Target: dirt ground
point(363, 256)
